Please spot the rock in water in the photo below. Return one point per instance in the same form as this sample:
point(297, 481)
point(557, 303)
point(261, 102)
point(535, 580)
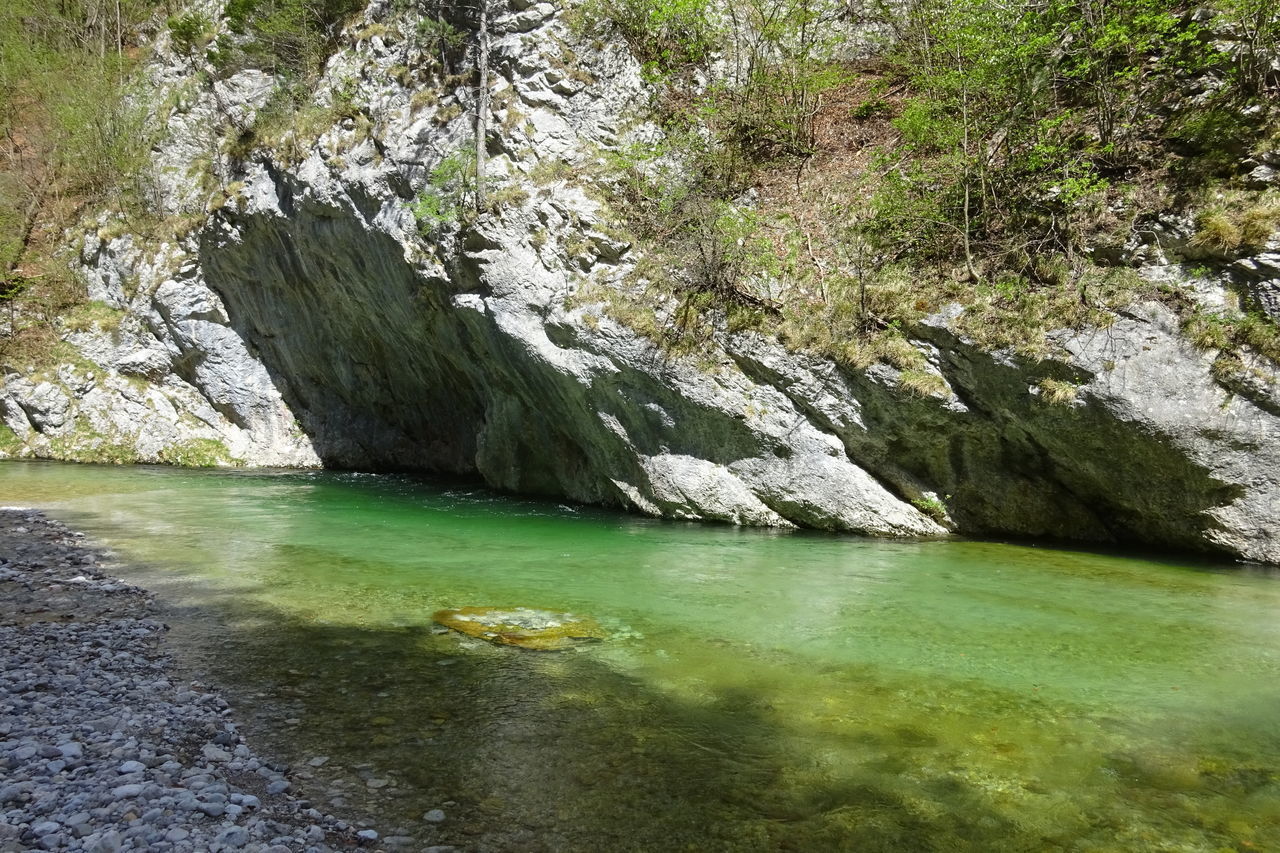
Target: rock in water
point(542, 630)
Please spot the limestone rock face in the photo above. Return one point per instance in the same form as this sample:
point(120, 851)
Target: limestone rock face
point(310, 318)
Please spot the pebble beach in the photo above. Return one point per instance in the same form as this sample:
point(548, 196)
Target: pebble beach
point(102, 746)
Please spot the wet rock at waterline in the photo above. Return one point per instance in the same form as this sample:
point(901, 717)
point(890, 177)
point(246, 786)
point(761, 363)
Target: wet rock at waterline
point(541, 630)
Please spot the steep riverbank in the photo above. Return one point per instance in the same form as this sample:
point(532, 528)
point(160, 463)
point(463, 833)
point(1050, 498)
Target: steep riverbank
point(102, 746)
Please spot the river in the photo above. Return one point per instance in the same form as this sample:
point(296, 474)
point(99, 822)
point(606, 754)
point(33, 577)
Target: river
point(759, 690)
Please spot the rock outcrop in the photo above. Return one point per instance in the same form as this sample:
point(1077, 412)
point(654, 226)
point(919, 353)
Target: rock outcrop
point(310, 318)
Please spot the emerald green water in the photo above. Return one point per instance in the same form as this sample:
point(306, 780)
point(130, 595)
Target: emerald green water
point(762, 690)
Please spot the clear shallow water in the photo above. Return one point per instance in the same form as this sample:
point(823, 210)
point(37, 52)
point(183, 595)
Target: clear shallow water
point(763, 691)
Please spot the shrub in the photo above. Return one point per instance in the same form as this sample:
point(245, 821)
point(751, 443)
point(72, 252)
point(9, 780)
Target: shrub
point(289, 37)
point(923, 383)
point(1216, 231)
point(191, 32)
point(1259, 223)
point(1058, 393)
point(449, 187)
point(668, 36)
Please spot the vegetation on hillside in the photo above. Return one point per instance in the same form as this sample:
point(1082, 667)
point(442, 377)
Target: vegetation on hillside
point(74, 133)
point(858, 165)
point(832, 170)
point(70, 137)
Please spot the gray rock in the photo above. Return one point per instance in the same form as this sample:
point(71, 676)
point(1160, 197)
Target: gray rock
point(1263, 177)
point(131, 767)
point(234, 837)
point(107, 842)
point(434, 816)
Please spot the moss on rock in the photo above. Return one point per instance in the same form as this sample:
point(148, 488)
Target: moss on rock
point(541, 630)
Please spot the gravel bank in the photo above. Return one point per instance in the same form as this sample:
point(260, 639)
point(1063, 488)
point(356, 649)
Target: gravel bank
point(101, 748)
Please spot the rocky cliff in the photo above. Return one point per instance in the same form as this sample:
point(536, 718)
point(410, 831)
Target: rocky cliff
point(304, 315)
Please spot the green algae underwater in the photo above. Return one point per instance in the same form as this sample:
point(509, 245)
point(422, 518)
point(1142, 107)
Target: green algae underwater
point(758, 690)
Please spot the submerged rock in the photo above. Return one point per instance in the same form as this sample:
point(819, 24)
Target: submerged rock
point(542, 630)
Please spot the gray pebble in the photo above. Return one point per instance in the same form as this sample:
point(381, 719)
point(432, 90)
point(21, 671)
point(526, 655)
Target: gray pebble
point(236, 836)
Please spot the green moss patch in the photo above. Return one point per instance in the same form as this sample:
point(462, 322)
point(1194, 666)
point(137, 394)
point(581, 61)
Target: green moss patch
point(198, 453)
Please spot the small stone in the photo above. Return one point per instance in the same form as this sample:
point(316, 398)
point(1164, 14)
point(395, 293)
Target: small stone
point(108, 842)
point(122, 791)
point(319, 761)
point(434, 816)
point(278, 787)
point(235, 836)
point(131, 767)
point(367, 835)
point(45, 827)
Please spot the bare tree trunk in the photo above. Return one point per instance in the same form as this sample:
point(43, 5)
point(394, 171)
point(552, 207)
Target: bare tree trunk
point(482, 103)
